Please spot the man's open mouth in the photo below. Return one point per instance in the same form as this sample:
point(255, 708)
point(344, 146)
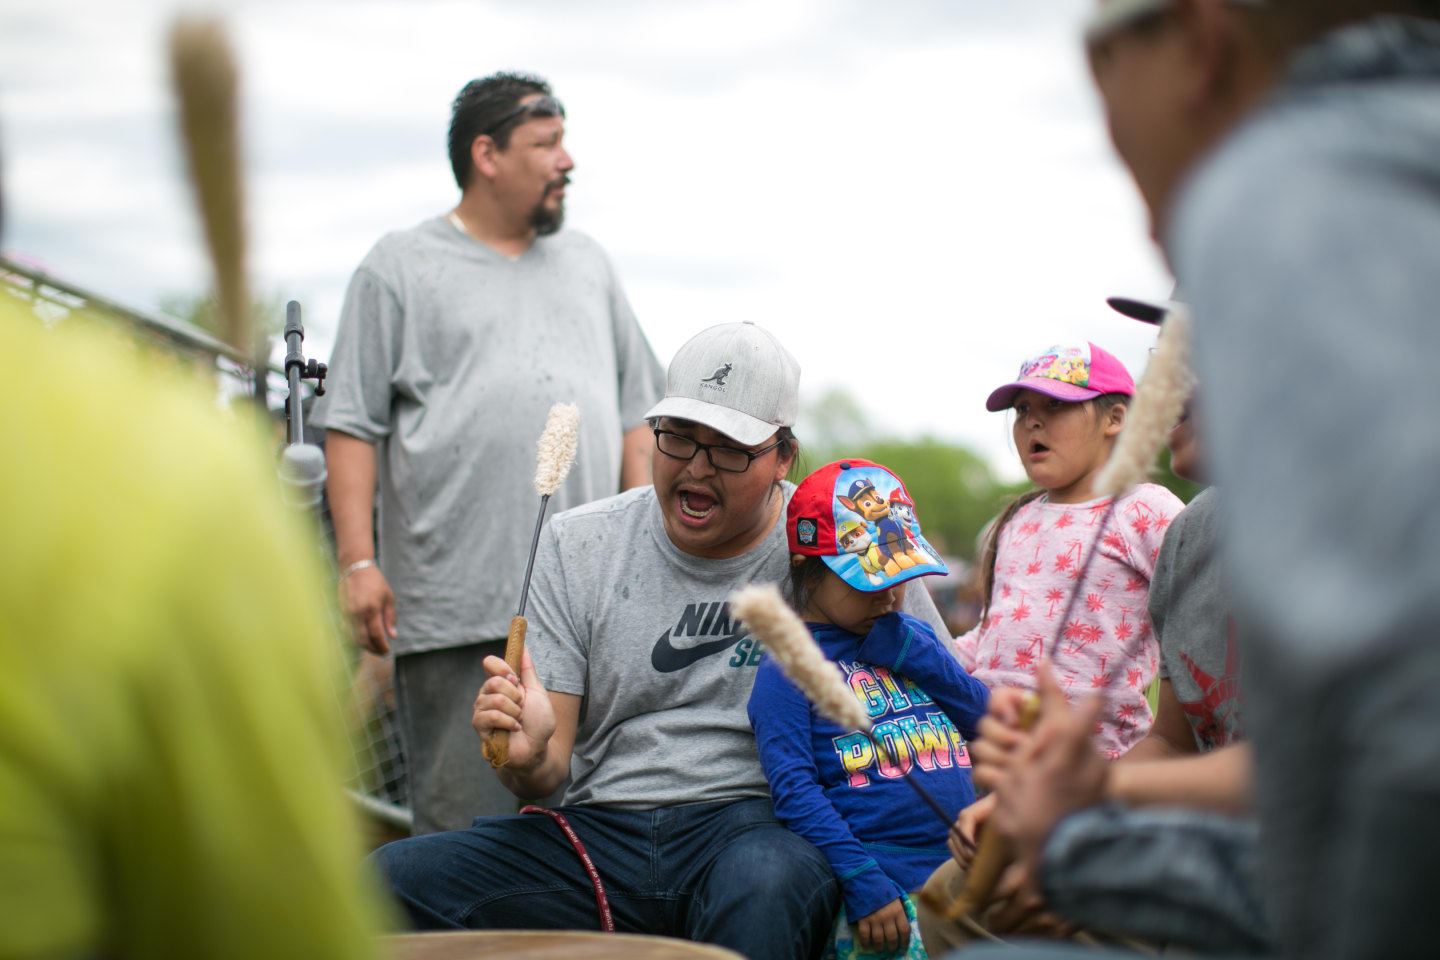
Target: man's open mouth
point(697, 505)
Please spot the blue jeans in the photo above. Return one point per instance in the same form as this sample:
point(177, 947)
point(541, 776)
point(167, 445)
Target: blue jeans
point(725, 873)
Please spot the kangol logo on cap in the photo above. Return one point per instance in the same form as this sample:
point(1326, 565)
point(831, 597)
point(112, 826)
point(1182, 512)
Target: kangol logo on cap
point(716, 381)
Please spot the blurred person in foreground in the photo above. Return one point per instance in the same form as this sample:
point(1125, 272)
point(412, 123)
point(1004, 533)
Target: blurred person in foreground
point(1289, 153)
point(171, 762)
point(456, 337)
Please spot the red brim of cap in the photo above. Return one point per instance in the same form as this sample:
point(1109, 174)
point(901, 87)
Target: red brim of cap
point(1002, 398)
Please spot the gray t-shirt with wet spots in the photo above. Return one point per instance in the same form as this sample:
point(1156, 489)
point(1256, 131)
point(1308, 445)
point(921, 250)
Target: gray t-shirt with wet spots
point(642, 630)
point(448, 359)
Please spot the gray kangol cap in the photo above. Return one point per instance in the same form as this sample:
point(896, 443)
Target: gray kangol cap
point(734, 378)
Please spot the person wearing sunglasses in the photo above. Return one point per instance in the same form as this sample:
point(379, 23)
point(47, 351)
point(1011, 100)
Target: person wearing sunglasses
point(456, 337)
point(1289, 154)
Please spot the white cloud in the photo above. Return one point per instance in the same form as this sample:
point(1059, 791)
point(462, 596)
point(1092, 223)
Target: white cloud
point(914, 198)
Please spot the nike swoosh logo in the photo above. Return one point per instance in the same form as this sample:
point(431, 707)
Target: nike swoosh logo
point(666, 659)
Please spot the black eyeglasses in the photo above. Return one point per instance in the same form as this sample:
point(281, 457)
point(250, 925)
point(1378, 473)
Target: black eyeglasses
point(729, 459)
point(544, 106)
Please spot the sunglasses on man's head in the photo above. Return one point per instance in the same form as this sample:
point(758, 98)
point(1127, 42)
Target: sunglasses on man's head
point(1118, 15)
point(542, 106)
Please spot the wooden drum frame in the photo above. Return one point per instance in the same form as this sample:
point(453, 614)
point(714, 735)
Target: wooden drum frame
point(547, 945)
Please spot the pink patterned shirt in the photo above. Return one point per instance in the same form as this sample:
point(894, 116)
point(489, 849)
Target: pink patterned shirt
point(1107, 645)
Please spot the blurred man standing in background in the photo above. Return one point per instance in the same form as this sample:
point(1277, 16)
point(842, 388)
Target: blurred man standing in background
point(456, 337)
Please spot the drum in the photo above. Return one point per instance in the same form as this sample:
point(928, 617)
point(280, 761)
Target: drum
point(548, 945)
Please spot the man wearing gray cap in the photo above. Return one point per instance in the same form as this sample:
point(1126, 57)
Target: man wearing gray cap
point(638, 687)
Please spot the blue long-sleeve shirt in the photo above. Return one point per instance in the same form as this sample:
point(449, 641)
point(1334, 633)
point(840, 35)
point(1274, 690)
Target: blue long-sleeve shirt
point(830, 787)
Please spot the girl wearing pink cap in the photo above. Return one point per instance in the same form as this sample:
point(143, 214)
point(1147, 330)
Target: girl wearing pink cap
point(1070, 404)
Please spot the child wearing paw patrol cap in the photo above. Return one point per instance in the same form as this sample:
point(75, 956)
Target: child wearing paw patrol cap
point(855, 541)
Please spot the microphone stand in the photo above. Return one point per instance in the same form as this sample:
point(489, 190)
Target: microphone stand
point(302, 465)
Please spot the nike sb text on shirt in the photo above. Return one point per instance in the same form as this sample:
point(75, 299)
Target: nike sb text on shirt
point(704, 620)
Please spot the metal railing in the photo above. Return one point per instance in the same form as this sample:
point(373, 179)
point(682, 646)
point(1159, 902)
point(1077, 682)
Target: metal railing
point(53, 299)
point(379, 786)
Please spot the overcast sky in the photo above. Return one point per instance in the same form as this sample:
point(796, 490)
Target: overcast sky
point(913, 195)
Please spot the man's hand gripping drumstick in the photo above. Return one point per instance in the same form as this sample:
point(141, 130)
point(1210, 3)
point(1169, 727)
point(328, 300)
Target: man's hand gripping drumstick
point(516, 675)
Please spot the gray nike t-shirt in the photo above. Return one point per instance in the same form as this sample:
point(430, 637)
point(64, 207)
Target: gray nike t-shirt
point(642, 630)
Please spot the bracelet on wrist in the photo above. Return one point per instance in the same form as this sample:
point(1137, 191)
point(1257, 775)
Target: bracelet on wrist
point(356, 567)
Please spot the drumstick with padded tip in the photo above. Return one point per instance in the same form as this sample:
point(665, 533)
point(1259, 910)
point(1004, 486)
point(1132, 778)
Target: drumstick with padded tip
point(1159, 400)
point(204, 73)
point(556, 456)
point(800, 658)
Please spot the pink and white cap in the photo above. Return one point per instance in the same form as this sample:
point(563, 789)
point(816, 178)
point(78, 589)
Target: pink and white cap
point(1069, 372)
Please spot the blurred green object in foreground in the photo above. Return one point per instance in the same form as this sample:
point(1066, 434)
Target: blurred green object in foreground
point(171, 761)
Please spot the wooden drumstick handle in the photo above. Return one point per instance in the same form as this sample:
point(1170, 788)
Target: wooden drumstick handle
point(497, 746)
point(992, 853)
point(515, 644)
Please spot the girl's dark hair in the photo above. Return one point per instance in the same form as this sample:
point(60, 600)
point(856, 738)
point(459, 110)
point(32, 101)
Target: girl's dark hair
point(985, 563)
point(803, 578)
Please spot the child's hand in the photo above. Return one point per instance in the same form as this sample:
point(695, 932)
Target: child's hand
point(1000, 737)
point(966, 827)
point(887, 930)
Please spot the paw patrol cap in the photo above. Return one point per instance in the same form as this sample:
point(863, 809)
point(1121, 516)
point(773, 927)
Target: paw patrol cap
point(1067, 371)
point(734, 378)
point(860, 518)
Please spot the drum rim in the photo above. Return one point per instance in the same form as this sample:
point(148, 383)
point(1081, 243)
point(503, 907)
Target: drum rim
point(573, 934)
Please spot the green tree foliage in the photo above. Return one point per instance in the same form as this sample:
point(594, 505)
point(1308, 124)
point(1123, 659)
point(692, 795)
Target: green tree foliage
point(202, 310)
point(1183, 489)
